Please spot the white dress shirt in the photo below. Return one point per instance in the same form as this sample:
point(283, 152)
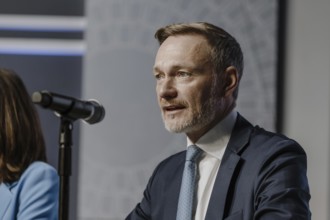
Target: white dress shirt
point(214, 144)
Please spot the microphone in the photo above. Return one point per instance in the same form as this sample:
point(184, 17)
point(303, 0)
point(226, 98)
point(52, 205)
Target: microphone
point(90, 111)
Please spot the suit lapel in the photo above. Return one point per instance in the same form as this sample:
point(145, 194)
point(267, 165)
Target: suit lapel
point(229, 164)
point(5, 198)
point(221, 186)
point(173, 189)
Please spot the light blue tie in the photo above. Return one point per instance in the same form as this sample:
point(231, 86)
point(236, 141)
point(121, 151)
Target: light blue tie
point(186, 205)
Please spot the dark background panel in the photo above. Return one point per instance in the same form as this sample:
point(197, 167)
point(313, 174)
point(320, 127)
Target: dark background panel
point(42, 34)
point(42, 7)
point(280, 67)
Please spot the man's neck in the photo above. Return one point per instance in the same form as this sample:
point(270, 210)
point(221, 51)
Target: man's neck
point(195, 136)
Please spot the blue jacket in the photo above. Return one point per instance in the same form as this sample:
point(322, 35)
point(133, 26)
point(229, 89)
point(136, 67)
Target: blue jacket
point(33, 196)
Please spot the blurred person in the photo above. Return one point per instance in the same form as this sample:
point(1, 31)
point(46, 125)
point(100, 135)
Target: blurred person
point(243, 171)
point(28, 185)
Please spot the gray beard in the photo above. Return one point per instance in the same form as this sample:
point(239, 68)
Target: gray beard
point(197, 121)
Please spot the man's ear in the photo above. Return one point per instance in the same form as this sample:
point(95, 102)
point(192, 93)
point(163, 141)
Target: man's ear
point(231, 80)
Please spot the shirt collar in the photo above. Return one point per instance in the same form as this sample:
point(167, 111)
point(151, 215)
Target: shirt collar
point(215, 141)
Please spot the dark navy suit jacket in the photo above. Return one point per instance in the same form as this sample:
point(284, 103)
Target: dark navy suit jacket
point(262, 176)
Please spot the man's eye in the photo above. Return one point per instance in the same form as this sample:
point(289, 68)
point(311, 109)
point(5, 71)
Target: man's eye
point(183, 74)
point(158, 76)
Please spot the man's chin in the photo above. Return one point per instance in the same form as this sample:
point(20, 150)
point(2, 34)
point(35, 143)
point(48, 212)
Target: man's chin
point(177, 128)
point(173, 130)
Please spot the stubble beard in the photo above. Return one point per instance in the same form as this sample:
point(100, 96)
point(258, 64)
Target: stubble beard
point(195, 119)
point(193, 122)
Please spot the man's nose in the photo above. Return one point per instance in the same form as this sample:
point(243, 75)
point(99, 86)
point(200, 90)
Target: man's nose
point(166, 89)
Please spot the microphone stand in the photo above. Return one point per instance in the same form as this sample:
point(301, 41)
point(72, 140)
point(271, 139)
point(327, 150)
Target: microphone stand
point(68, 109)
point(64, 166)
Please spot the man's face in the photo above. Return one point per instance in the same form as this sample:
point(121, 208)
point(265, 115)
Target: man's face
point(187, 92)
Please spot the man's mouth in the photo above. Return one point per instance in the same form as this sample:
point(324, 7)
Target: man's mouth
point(172, 108)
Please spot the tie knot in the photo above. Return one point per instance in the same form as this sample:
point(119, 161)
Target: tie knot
point(193, 153)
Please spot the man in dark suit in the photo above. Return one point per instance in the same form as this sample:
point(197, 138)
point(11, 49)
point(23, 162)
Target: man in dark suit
point(244, 171)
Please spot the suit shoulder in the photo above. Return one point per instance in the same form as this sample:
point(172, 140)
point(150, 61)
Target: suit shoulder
point(274, 142)
point(39, 168)
point(169, 166)
point(38, 173)
point(172, 160)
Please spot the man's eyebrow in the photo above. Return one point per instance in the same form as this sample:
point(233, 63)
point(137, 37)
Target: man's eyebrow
point(155, 69)
point(173, 68)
